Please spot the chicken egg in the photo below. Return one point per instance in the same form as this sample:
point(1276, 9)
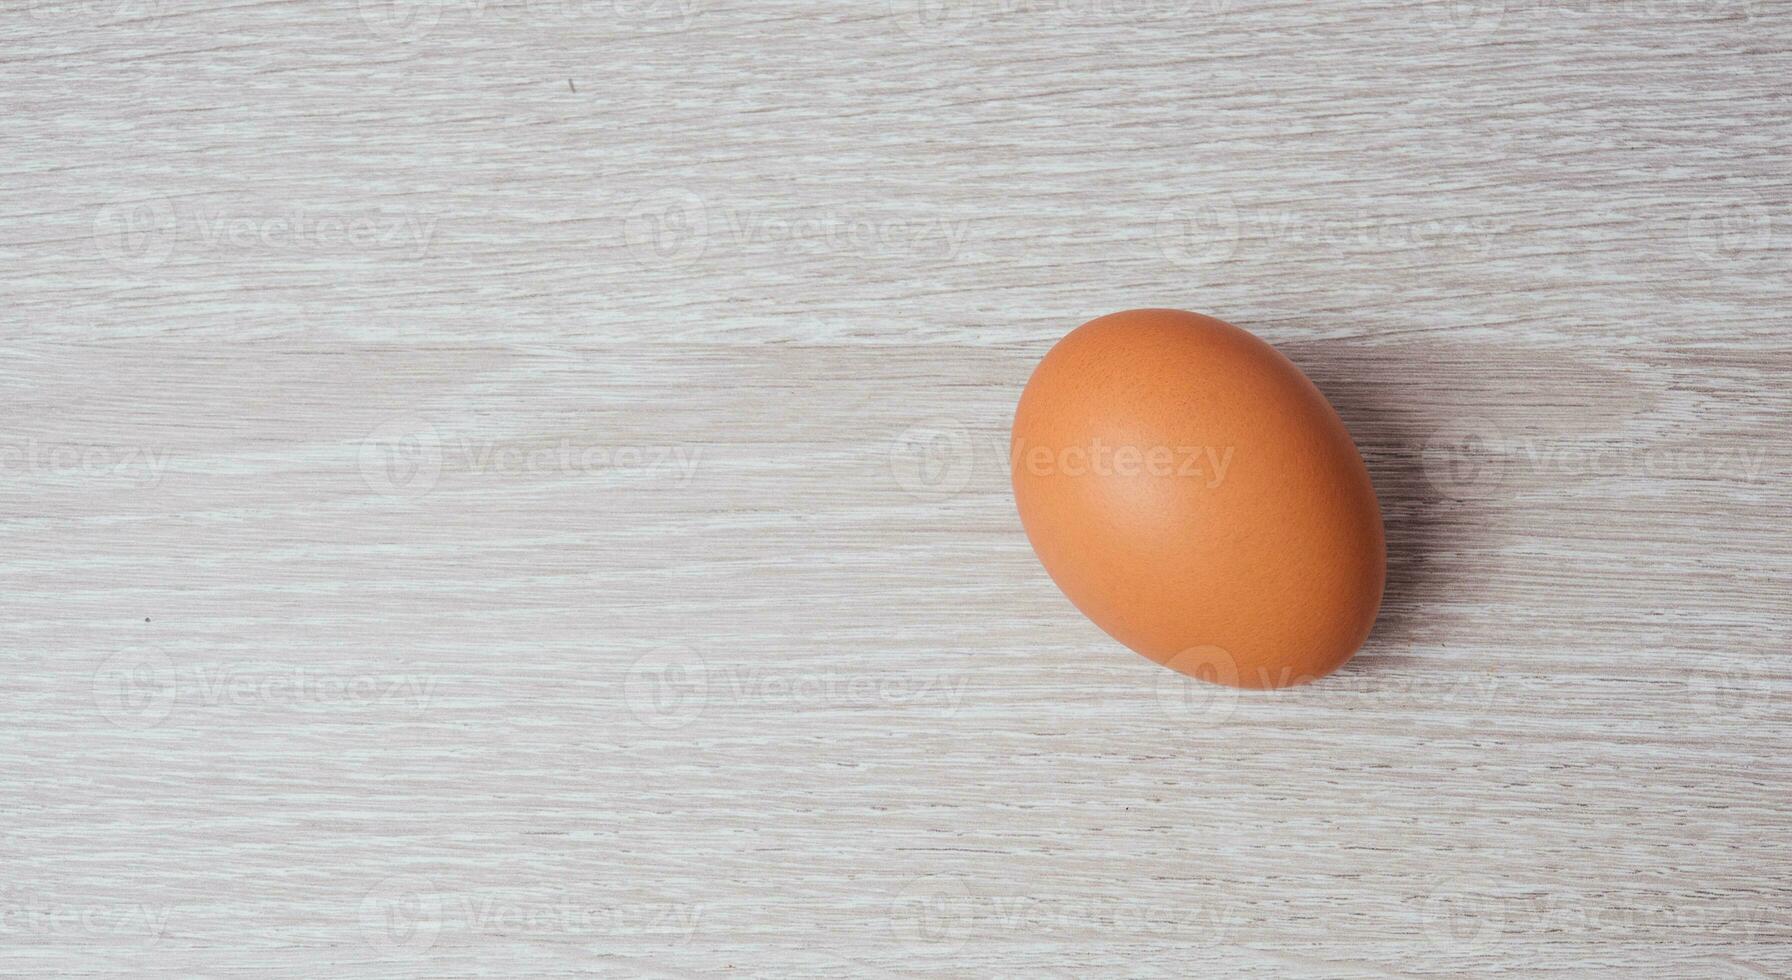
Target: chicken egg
point(1194, 495)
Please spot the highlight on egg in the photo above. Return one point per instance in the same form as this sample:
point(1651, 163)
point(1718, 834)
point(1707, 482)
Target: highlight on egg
point(1195, 495)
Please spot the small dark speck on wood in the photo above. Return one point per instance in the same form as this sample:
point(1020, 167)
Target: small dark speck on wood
point(570, 85)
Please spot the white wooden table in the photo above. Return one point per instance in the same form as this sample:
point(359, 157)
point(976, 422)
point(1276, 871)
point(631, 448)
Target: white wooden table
point(507, 488)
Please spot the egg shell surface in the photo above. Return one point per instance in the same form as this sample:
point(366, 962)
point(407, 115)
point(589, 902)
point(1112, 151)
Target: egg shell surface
point(1196, 496)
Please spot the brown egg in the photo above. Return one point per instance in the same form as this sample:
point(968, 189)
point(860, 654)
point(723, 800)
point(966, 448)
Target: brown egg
point(1198, 498)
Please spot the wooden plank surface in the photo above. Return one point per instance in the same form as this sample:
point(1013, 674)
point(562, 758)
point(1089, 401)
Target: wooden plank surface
point(498, 488)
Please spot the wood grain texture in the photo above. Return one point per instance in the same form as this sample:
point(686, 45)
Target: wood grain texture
point(499, 488)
